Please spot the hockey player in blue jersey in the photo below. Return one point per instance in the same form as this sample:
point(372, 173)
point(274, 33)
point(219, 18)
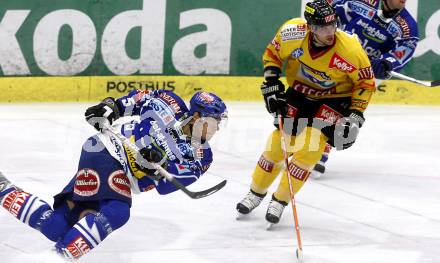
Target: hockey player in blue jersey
point(388, 34)
point(97, 200)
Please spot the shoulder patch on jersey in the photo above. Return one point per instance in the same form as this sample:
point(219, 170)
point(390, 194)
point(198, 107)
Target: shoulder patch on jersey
point(298, 52)
point(293, 32)
point(119, 183)
point(404, 25)
point(365, 73)
point(275, 43)
point(87, 182)
point(341, 64)
point(372, 3)
point(362, 9)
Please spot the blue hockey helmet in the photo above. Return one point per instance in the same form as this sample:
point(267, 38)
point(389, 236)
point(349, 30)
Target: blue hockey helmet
point(208, 105)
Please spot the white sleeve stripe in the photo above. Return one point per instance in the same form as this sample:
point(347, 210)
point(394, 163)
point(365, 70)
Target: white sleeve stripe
point(86, 235)
point(36, 205)
point(26, 207)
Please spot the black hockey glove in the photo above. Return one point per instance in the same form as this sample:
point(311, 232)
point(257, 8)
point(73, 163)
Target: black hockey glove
point(382, 68)
point(146, 157)
point(273, 91)
point(105, 113)
point(347, 130)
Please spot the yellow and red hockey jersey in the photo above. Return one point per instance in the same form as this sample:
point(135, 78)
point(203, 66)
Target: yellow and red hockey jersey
point(343, 70)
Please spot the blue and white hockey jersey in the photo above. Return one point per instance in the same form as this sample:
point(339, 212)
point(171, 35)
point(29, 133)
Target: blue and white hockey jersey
point(394, 39)
point(161, 114)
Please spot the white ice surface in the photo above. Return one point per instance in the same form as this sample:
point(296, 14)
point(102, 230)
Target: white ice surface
point(378, 203)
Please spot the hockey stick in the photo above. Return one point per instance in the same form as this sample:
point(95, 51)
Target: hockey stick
point(434, 83)
point(194, 195)
point(292, 194)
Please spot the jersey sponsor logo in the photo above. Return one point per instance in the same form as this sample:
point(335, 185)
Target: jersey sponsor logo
point(358, 103)
point(265, 164)
point(341, 64)
point(199, 153)
point(293, 32)
point(328, 114)
point(291, 111)
point(371, 32)
point(131, 162)
point(402, 53)
point(307, 90)
point(317, 77)
point(148, 188)
point(161, 139)
point(87, 183)
point(78, 247)
point(275, 44)
point(171, 101)
point(205, 167)
point(119, 183)
point(370, 2)
point(404, 25)
point(298, 52)
point(365, 73)
point(362, 10)
point(14, 201)
point(394, 29)
point(298, 172)
point(181, 169)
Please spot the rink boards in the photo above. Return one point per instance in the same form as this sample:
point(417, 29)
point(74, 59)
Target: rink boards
point(95, 88)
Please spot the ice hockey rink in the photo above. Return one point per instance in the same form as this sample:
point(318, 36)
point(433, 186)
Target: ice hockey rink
point(378, 203)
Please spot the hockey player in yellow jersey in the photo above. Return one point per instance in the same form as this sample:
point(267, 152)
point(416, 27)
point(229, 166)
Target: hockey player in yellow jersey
point(330, 85)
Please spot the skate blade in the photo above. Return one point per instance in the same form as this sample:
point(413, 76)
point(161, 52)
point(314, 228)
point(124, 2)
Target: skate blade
point(315, 175)
point(239, 216)
point(299, 256)
point(269, 226)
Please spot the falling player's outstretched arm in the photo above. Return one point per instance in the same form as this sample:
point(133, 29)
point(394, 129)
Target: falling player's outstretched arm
point(405, 45)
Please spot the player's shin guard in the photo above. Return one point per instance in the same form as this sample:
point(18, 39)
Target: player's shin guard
point(91, 230)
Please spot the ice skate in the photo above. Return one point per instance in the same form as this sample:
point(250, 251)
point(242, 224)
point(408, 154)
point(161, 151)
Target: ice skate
point(274, 212)
point(249, 202)
point(318, 171)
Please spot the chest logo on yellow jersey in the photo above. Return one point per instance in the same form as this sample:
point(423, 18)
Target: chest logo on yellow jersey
point(341, 64)
point(317, 77)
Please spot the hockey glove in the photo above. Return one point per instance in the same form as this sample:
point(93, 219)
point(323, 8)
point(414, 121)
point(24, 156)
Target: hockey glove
point(347, 130)
point(148, 155)
point(382, 68)
point(273, 91)
point(105, 113)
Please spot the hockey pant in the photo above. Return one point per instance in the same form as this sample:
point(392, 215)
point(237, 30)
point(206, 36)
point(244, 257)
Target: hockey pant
point(73, 237)
point(305, 150)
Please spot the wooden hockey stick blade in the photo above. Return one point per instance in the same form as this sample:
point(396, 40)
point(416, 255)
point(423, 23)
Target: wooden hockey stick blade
point(200, 194)
point(435, 83)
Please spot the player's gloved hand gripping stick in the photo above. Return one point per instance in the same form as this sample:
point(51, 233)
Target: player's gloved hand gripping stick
point(195, 195)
